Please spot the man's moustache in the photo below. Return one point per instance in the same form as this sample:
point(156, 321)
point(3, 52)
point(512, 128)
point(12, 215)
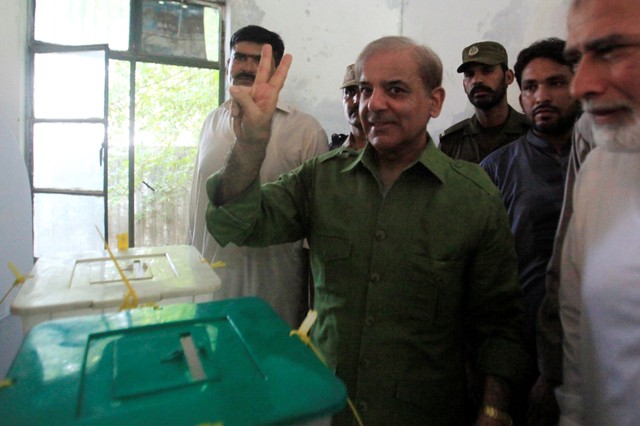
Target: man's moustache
point(378, 117)
point(546, 107)
point(480, 87)
point(593, 106)
point(245, 75)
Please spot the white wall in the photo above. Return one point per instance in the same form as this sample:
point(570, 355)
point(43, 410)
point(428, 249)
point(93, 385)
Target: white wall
point(15, 211)
point(325, 36)
point(450, 25)
point(13, 34)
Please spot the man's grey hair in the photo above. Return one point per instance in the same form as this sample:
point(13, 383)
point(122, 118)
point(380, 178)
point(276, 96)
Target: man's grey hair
point(429, 64)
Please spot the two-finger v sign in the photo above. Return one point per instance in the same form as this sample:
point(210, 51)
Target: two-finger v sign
point(254, 106)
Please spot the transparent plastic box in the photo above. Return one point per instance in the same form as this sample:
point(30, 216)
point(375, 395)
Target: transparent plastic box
point(89, 283)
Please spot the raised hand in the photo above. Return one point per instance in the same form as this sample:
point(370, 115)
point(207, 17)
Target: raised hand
point(253, 107)
point(252, 112)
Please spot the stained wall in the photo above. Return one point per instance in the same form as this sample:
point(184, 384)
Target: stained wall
point(325, 36)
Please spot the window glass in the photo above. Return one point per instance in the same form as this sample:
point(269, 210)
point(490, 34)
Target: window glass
point(76, 233)
point(83, 22)
point(177, 29)
point(118, 180)
point(154, 117)
point(168, 124)
point(69, 85)
point(212, 33)
point(67, 156)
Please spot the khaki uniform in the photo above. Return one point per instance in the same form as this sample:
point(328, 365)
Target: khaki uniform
point(465, 141)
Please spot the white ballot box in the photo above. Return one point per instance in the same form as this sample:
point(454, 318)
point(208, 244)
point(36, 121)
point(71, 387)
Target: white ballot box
point(90, 283)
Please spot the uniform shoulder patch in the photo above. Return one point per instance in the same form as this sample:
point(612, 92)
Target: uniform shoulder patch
point(455, 128)
point(339, 152)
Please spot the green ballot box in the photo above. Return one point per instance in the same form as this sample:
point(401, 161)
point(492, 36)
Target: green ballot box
point(231, 362)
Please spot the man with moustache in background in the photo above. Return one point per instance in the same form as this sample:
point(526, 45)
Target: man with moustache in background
point(278, 274)
point(495, 123)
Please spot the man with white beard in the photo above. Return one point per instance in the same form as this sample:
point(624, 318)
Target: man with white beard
point(600, 272)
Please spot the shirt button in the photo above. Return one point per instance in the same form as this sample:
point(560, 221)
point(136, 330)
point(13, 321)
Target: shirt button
point(380, 235)
point(365, 362)
point(369, 321)
point(375, 277)
point(363, 406)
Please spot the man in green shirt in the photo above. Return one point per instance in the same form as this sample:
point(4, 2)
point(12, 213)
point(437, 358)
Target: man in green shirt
point(411, 252)
point(494, 124)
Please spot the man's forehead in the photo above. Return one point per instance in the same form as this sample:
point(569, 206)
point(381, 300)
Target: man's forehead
point(390, 79)
point(546, 77)
point(248, 47)
point(389, 66)
point(592, 20)
point(542, 68)
point(478, 65)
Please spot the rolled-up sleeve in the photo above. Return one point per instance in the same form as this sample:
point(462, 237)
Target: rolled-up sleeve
point(234, 220)
point(261, 215)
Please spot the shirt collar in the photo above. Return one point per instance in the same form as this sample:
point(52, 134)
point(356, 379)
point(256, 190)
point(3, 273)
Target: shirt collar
point(543, 144)
point(430, 158)
point(512, 125)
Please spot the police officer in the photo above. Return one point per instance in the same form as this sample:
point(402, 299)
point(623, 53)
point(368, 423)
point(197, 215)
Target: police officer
point(495, 123)
point(356, 139)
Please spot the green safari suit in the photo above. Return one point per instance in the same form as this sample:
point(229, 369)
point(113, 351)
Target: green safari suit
point(402, 280)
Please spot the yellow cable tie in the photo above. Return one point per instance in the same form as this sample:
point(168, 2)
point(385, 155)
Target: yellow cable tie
point(130, 300)
point(218, 264)
point(355, 412)
point(6, 383)
point(214, 265)
point(308, 322)
point(20, 279)
point(303, 333)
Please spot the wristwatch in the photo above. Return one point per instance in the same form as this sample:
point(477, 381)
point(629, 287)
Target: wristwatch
point(498, 415)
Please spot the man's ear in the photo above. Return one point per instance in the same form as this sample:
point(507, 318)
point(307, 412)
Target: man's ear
point(509, 77)
point(437, 100)
point(520, 100)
